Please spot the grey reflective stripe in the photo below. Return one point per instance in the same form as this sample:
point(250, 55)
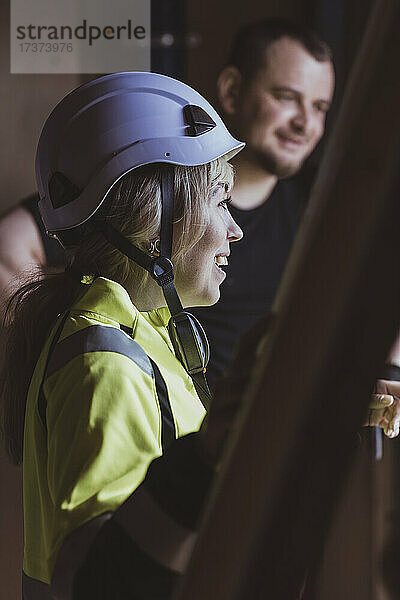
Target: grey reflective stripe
point(98, 338)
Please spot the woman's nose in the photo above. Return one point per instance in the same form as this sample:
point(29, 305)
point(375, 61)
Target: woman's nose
point(234, 232)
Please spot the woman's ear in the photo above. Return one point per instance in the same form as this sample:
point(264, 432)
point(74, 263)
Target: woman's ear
point(228, 86)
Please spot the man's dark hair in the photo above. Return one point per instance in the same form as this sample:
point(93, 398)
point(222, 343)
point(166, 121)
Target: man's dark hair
point(248, 51)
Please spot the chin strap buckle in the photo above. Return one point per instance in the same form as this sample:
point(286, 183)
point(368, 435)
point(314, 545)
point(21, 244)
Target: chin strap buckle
point(163, 271)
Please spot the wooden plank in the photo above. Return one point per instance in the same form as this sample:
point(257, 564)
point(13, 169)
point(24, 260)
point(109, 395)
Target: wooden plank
point(337, 316)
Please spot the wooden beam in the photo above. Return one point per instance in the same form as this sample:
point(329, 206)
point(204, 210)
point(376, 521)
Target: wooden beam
point(338, 312)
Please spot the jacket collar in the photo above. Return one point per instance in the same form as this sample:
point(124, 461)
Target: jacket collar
point(111, 300)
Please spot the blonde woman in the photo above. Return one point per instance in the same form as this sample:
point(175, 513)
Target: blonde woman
point(134, 181)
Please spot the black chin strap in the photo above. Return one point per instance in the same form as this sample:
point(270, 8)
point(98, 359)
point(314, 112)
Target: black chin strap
point(186, 333)
point(167, 213)
point(160, 268)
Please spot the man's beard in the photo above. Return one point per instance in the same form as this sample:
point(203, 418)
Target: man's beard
point(276, 165)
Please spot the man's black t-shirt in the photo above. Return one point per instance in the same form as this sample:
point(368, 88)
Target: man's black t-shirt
point(255, 268)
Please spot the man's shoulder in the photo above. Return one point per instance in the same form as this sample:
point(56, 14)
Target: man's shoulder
point(52, 253)
point(20, 243)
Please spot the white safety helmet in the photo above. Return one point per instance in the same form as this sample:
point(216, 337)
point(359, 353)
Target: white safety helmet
point(114, 124)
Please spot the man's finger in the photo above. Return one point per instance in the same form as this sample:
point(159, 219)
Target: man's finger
point(391, 430)
point(381, 401)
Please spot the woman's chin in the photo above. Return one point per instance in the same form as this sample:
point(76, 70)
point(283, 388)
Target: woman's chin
point(204, 299)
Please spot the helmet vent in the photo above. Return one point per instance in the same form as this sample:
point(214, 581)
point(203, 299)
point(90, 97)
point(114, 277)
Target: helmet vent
point(198, 120)
point(62, 190)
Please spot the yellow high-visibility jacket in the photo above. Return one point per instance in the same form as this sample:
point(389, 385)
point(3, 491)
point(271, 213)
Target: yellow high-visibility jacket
point(101, 407)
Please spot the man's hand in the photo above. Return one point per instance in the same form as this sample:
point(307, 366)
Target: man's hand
point(384, 408)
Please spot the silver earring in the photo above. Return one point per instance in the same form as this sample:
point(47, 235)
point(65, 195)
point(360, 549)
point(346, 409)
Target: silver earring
point(154, 248)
